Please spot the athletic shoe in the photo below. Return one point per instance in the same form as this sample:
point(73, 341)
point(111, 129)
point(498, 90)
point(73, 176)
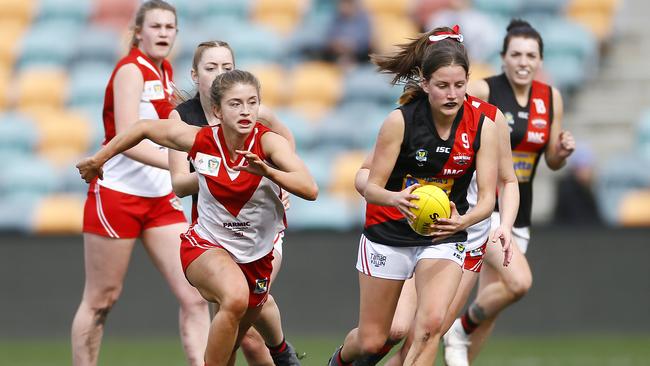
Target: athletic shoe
point(456, 343)
point(288, 357)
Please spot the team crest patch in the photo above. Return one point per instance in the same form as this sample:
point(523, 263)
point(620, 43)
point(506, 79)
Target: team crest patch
point(461, 159)
point(261, 285)
point(421, 156)
point(176, 203)
point(460, 247)
point(207, 164)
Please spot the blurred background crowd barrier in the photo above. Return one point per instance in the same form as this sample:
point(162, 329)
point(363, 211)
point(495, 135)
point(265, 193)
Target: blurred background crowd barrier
point(311, 56)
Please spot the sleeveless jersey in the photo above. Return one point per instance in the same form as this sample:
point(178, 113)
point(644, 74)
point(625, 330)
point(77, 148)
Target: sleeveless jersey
point(425, 158)
point(490, 111)
point(530, 128)
point(192, 113)
point(122, 173)
point(237, 210)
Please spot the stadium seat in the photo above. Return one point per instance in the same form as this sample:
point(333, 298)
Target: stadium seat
point(281, 15)
point(42, 44)
point(63, 136)
point(547, 7)
point(506, 8)
point(27, 175)
point(256, 44)
point(272, 77)
point(88, 82)
point(615, 179)
point(566, 71)
point(303, 131)
point(117, 14)
point(20, 11)
point(328, 212)
point(395, 8)
point(479, 70)
point(389, 31)
point(58, 214)
point(634, 209)
point(353, 125)
point(344, 170)
point(17, 212)
point(596, 15)
point(314, 88)
point(319, 162)
point(71, 182)
point(11, 32)
point(566, 37)
point(68, 10)
point(17, 133)
point(366, 84)
point(41, 87)
point(218, 9)
point(5, 87)
point(98, 44)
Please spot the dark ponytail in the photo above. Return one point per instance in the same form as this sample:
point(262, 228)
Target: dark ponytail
point(521, 28)
point(419, 59)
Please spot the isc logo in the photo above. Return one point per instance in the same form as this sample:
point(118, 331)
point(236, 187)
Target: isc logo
point(443, 149)
point(536, 137)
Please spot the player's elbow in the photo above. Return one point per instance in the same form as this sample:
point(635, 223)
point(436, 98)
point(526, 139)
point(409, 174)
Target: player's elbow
point(311, 192)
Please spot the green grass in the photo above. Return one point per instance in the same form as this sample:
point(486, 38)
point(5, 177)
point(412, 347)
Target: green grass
point(522, 351)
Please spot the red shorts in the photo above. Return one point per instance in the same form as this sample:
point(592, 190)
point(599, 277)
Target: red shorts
point(257, 273)
point(121, 215)
point(474, 259)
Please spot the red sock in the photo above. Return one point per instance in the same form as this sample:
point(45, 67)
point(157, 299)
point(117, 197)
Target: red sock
point(468, 324)
point(275, 350)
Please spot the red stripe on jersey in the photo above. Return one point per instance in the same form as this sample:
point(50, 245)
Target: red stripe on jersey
point(539, 119)
point(376, 214)
point(149, 72)
point(489, 110)
point(462, 153)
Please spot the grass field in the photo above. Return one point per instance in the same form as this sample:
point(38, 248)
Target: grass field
point(565, 351)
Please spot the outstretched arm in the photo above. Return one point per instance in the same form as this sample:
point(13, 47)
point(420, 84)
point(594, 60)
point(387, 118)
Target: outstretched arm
point(170, 133)
point(291, 174)
point(561, 143)
point(184, 182)
point(361, 178)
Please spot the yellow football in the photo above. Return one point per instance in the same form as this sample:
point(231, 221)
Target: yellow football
point(432, 203)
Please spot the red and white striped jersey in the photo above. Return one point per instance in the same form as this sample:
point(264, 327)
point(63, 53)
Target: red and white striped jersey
point(490, 111)
point(237, 210)
point(122, 173)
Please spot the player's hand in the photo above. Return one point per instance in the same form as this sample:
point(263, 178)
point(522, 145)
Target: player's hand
point(445, 228)
point(89, 168)
point(402, 200)
point(504, 235)
point(567, 144)
point(254, 164)
point(284, 196)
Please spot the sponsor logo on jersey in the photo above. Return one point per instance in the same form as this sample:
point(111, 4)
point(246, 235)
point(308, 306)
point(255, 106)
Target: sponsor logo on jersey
point(153, 90)
point(535, 137)
point(261, 286)
point(522, 114)
point(235, 225)
point(461, 159)
point(377, 260)
point(476, 252)
point(443, 149)
point(539, 123)
point(176, 203)
point(448, 171)
point(421, 156)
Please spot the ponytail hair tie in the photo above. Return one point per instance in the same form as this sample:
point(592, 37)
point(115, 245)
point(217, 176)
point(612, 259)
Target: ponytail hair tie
point(454, 34)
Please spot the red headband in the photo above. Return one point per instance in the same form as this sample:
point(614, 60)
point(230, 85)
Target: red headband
point(454, 34)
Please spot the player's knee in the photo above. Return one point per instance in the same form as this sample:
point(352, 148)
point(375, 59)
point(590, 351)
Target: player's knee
point(372, 344)
point(236, 304)
point(521, 286)
point(251, 343)
point(193, 303)
point(431, 324)
point(398, 332)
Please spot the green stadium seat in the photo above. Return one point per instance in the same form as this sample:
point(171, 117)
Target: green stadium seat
point(88, 83)
point(42, 44)
point(17, 212)
point(27, 175)
point(328, 212)
point(67, 10)
point(17, 133)
point(98, 44)
point(508, 8)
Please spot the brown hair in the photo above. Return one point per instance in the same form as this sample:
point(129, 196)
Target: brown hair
point(521, 28)
point(226, 81)
point(419, 59)
point(198, 53)
point(142, 11)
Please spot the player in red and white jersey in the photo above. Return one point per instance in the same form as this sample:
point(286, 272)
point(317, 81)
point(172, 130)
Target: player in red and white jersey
point(533, 112)
point(134, 199)
point(227, 254)
point(210, 59)
point(434, 137)
point(477, 238)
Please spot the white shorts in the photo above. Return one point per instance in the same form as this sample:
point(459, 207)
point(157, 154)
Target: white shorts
point(478, 234)
point(521, 235)
point(277, 242)
point(398, 263)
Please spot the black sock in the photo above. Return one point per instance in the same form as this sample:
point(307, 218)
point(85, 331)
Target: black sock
point(276, 350)
point(468, 324)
